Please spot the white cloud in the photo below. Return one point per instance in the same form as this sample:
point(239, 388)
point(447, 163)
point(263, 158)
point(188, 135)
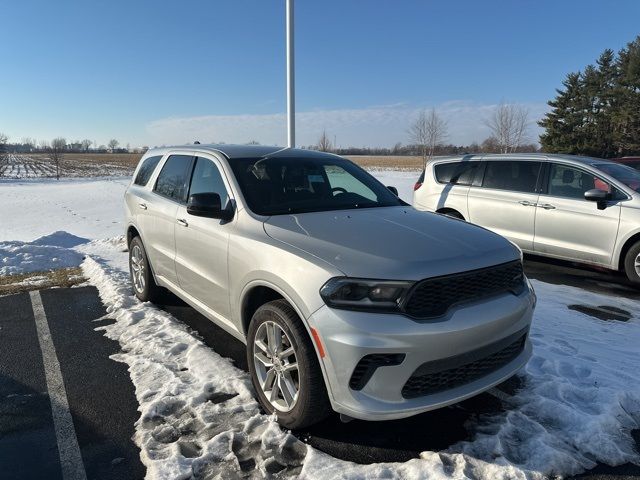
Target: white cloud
point(373, 126)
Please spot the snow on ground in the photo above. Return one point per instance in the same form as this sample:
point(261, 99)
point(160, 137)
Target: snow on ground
point(87, 208)
point(579, 400)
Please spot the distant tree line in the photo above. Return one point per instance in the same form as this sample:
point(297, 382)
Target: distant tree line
point(60, 144)
point(597, 111)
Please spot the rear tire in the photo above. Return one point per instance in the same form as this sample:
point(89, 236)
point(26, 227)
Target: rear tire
point(632, 264)
point(144, 285)
point(273, 373)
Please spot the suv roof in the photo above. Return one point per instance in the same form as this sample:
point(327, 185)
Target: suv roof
point(528, 156)
point(241, 151)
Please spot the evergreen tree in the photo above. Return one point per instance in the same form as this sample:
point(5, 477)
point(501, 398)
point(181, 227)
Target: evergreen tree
point(597, 113)
point(562, 124)
point(627, 115)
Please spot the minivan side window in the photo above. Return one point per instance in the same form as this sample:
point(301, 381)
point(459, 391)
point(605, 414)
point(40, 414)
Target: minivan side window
point(206, 178)
point(172, 179)
point(517, 176)
point(458, 173)
point(569, 182)
point(146, 170)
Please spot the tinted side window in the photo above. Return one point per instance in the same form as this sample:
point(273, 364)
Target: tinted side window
point(206, 178)
point(146, 170)
point(459, 173)
point(172, 180)
point(512, 175)
point(568, 182)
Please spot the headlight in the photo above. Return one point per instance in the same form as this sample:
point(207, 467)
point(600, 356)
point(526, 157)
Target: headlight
point(364, 294)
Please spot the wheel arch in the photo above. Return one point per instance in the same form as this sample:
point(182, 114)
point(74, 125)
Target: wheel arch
point(629, 242)
point(132, 232)
point(449, 210)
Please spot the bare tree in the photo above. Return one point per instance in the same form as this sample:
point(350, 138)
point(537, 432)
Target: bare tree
point(428, 132)
point(113, 144)
point(509, 124)
point(324, 143)
point(86, 144)
point(3, 145)
point(28, 142)
point(58, 146)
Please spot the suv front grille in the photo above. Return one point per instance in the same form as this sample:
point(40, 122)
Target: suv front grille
point(434, 296)
point(440, 375)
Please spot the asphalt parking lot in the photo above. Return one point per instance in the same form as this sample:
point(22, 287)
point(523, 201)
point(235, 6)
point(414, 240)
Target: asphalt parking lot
point(68, 410)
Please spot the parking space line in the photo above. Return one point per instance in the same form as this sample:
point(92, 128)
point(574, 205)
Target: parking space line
point(68, 449)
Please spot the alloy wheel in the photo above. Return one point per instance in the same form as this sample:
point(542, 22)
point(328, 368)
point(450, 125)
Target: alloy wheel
point(137, 269)
point(636, 264)
point(276, 366)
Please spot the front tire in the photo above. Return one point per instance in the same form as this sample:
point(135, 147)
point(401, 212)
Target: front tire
point(632, 264)
point(144, 285)
point(284, 367)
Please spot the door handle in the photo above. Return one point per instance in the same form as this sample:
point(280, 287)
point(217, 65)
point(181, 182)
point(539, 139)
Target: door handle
point(183, 222)
point(143, 206)
point(547, 206)
point(527, 203)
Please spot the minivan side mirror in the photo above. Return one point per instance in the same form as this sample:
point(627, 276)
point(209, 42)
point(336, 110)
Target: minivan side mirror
point(597, 195)
point(207, 205)
point(393, 190)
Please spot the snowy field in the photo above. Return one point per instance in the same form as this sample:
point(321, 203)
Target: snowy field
point(25, 166)
point(579, 400)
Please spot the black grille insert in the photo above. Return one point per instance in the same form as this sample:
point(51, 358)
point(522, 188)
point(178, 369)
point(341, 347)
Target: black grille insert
point(434, 296)
point(368, 365)
point(452, 372)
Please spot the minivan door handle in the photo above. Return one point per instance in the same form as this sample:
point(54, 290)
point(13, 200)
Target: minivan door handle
point(143, 206)
point(183, 222)
point(547, 206)
point(526, 203)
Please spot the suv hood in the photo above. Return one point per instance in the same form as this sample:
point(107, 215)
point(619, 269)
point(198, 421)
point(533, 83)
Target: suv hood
point(398, 243)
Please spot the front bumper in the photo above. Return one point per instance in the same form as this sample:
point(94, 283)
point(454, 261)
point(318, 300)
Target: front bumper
point(348, 336)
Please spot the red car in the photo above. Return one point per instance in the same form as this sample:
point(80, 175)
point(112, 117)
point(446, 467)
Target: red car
point(630, 161)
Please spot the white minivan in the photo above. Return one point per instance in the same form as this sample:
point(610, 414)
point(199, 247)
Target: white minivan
point(574, 208)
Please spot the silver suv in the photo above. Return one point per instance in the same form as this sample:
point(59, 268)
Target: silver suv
point(574, 208)
point(346, 297)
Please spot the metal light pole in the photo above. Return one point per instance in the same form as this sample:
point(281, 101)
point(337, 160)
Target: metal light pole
point(291, 99)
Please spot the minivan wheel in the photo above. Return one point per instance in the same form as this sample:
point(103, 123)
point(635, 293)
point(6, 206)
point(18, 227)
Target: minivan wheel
point(144, 285)
point(632, 264)
point(284, 367)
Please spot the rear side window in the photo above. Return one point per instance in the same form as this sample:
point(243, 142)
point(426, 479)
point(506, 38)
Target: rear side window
point(512, 175)
point(173, 178)
point(146, 170)
point(459, 173)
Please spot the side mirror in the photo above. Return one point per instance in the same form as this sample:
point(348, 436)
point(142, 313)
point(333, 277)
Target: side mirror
point(597, 195)
point(393, 190)
point(207, 205)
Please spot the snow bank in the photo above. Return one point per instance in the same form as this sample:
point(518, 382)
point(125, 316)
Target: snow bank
point(198, 413)
point(21, 257)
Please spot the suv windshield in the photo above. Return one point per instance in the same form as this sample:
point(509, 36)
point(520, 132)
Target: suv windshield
point(622, 173)
point(284, 185)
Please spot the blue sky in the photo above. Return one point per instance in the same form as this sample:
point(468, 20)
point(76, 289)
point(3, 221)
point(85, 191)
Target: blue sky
point(161, 72)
